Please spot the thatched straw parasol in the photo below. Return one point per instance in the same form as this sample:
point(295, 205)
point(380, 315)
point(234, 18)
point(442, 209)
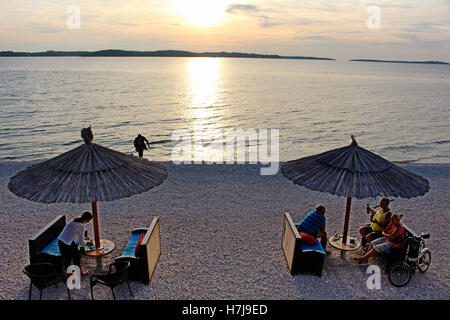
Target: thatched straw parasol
point(88, 173)
point(354, 172)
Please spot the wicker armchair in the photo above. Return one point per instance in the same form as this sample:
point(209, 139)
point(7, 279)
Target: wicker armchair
point(113, 278)
point(43, 275)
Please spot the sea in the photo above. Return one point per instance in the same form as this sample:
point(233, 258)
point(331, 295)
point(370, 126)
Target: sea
point(399, 111)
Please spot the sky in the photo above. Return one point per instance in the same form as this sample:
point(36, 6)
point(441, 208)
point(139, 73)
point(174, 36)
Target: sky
point(342, 29)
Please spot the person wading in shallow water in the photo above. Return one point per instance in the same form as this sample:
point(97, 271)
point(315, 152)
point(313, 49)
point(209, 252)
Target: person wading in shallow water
point(139, 144)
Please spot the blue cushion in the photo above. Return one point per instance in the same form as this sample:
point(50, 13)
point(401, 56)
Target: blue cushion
point(316, 248)
point(52, 248)
point(131, 245)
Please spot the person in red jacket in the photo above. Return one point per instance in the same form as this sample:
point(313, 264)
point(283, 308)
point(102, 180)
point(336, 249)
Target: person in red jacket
point(393, 234)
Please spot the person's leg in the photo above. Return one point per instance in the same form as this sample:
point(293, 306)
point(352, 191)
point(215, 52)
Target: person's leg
point(141, 152)
point(323, 240)
point(66, 256)
point(371, 252)
point(374, 235)
point(377, 246)
point(76, 256)
point(364, 231)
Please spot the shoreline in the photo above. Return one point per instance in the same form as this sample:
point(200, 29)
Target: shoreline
point(221, 237)
point(9, 167)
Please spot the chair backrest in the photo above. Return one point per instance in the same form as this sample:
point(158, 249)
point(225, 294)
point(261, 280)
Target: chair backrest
point(44, 236)
point(291, 240)
point(39, 269)
point(41, 273)
point(121, 272)
point(150, 248)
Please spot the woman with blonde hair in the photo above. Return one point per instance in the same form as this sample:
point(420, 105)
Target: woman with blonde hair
point(393, 234)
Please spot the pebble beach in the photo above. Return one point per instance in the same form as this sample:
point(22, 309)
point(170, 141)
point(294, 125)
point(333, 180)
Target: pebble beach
point(221, 237)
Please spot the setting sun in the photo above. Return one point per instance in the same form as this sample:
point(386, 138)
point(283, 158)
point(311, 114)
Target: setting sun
point(202, 13)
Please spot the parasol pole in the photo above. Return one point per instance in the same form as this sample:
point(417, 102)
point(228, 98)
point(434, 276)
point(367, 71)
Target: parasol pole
point(96, 229)
point(348, 206)
point(346, 221)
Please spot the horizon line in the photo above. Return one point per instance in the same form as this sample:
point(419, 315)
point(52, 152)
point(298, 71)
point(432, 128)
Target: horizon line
point(192, 54)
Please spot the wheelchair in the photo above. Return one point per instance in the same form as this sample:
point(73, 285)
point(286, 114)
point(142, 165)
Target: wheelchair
point(405, 258)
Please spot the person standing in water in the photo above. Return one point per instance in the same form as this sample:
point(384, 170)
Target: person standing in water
point(139, 144)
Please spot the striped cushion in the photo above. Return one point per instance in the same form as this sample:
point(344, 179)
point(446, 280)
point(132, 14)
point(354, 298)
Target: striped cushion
point(52, 248)
point(129, 250)
point(316, 248)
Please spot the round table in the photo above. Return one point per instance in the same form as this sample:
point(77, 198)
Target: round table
point(106, 246)
point(336, 242)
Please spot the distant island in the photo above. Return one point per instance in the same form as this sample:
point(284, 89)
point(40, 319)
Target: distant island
point(395, 61)
point(159, 53)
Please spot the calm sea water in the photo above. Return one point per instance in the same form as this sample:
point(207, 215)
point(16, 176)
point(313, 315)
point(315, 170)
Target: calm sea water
point(400, 111)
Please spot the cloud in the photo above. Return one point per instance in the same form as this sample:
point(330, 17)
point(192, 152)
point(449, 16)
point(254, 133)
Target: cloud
point(427, 27)
point(315, 38)
point(239, 8)
point(420, 40)
point(252, 11)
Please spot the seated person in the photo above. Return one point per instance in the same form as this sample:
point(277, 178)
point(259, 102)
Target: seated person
point(394, 233)
point(314, 225)
point(380, 219)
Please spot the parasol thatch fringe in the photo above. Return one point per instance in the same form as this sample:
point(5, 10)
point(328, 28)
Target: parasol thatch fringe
point(354, 172)
point(88, 173)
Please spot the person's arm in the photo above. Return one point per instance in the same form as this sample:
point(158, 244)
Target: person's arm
point(80, 232)
point(385, 232)
point(394, 234)
point(148, 144)
point(372, 219)
point(387, 221)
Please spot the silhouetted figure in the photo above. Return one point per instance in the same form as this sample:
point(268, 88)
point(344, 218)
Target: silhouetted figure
point(139, 144)
point(87, 135)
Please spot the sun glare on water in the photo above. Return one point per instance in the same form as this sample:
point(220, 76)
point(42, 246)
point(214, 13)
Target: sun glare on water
point(201, 13)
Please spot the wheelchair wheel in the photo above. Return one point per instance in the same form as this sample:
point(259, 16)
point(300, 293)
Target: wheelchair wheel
point(424, 263)
point(399, 274)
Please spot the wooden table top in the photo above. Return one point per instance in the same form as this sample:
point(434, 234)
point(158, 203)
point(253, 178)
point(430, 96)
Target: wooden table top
point(106, 246)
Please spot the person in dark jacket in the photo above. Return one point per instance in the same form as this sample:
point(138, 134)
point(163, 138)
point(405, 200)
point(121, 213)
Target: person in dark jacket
point(139, 144)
